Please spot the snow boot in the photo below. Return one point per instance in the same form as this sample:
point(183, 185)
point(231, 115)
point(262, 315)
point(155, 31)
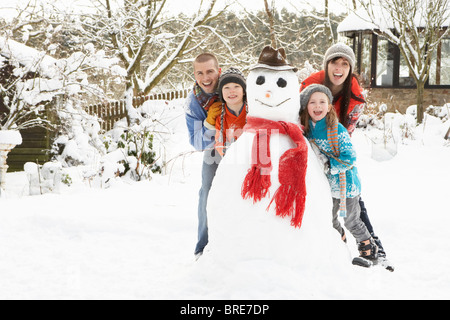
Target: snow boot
point(368, 250)
point(382, 260)
point(368, 254)
point(198, 255)
point(381, 252)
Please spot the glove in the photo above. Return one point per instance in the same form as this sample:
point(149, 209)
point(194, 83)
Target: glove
point(214, 111)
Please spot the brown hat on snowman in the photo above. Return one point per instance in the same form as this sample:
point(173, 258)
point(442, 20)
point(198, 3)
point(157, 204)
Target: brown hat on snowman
point(273, 59)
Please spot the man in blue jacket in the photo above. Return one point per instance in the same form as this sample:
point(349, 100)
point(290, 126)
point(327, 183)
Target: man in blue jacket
point(200, 119)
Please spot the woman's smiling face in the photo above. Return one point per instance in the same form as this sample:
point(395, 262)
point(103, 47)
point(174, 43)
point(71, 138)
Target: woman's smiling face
point(338, 71)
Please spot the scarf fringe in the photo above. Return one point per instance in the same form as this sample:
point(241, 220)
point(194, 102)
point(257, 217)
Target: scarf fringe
point(255, 185)
point(297, 219)
point(290, 197)
point(289, 203)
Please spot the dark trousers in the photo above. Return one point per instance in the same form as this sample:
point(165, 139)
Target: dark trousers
point(366, 220)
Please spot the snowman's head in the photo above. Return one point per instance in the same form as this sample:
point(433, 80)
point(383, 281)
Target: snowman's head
point(273, 94)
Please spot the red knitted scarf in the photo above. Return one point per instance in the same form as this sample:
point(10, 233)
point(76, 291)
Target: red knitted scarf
point(291, 195)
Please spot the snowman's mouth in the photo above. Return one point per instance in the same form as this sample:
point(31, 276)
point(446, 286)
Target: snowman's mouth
point(268, 105)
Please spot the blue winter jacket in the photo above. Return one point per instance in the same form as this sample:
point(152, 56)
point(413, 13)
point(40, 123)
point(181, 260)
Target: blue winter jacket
point(200, 137)
point(318, 133)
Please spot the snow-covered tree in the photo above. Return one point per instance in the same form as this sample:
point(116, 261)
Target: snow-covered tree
point(32, 80)
point(147, 40)
point(416, 27)
point(304, 33)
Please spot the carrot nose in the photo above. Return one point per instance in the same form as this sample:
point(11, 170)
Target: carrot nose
point(268, 94)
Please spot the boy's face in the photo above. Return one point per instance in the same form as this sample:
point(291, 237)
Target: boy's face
point(318, 106)
point(233, 94)
point(207, 75)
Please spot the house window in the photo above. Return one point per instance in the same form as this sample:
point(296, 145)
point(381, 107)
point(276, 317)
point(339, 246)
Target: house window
point(385, 63)
point(406, 79)
point(440, 65)
point(366, 60)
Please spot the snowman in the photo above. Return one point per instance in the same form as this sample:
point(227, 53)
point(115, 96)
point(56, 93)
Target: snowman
point(270, 199)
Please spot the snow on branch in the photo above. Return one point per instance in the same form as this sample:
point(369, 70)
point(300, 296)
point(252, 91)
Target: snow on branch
point(33, 81)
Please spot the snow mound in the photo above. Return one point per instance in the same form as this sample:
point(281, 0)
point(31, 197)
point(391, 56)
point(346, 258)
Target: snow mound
point(10, 137)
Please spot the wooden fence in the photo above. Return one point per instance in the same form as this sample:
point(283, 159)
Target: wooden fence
point(111, 112)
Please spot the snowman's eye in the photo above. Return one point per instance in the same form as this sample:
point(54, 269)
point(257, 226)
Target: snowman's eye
point(261, 80)
point(281, 83)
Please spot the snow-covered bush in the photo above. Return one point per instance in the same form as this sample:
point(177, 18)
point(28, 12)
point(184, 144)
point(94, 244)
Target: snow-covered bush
point(135, 145)
point(442, 112)
point(78, 141)
point(133, 152)
point(393, 128)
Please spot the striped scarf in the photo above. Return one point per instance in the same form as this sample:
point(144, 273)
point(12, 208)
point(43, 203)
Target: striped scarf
point(333, 139)
point(203, 98)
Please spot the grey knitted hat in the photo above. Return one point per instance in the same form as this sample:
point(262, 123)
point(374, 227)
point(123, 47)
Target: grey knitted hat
point(232, 75)
point(339, 50)
point(309, 90)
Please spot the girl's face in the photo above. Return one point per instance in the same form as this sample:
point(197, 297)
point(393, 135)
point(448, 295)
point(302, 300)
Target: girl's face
point(338, 71)
point(318, 106)
point(233, 94)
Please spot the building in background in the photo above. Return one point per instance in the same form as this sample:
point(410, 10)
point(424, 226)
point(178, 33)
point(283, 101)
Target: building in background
point(384, 71)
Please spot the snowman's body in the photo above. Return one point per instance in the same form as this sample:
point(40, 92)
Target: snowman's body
point(240, 229)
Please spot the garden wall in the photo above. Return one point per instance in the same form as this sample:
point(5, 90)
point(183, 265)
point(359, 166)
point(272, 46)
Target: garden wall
point(401, 99)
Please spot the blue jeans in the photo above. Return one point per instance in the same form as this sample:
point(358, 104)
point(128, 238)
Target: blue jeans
point(211, 161)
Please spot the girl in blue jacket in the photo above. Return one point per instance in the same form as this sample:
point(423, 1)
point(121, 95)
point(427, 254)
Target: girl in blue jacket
point(323, 130)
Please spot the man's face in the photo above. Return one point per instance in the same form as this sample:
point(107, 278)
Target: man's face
point(207, 75)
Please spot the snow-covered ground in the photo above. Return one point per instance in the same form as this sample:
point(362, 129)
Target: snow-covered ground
point(135, 240)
